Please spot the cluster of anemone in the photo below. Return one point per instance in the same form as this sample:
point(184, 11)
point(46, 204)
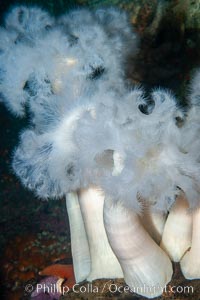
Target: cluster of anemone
point(130, 173)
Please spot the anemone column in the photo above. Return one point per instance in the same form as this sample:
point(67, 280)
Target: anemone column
point(147, 269)
point(190, 263)
point(79, 242)
point(177, 234)
point(104, 263)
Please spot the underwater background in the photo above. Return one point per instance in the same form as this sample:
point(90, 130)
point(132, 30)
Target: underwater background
point(35, 233)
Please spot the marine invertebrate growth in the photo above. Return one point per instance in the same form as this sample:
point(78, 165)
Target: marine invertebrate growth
point(80, 59)
point(190, 263)
point(98, 142)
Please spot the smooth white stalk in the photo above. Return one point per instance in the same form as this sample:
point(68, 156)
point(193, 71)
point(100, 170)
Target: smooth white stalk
point(146, 267)
point(190, 263)
point(177, 234)
point(79, 242)
point(154, 223)
point(104, 263)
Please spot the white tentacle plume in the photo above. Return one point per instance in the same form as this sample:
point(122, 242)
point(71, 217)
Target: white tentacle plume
point(61, 64)
point(93, 137)
point(147, 269)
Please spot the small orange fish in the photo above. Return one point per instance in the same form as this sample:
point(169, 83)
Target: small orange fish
point(60, 271)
